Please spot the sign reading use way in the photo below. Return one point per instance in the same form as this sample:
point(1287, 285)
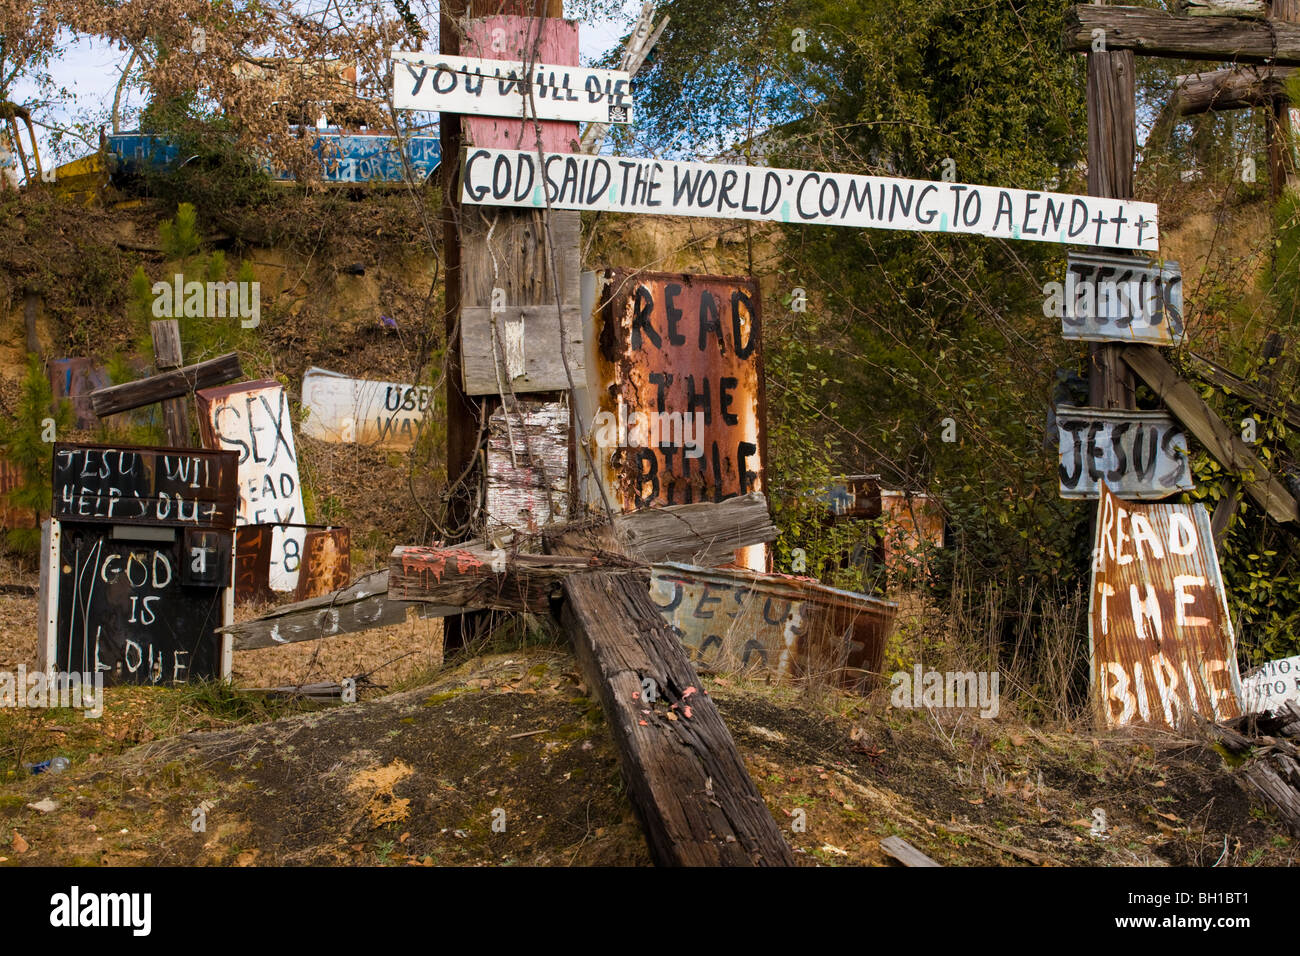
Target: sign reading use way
point(505, 177)
point(459, 84)
point(1162, 642)
point(1139, 454)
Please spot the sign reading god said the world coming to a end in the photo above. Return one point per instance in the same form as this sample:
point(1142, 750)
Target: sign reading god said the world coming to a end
point(504, 177)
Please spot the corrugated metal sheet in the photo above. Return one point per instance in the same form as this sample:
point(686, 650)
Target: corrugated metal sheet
point(326, 563)
point(1122, 298)
point(1140, 454)
point(252, 418)
point(679, 405)
point(253, 564)
point(74, 379)
point(1271, 685)
point(853, 496)
point(1162, 642)
point(737, 620)
point(347, 410)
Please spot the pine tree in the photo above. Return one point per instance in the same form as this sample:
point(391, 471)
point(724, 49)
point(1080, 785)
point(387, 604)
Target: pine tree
point(28, 444)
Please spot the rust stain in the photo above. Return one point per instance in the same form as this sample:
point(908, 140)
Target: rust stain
point(780, 625)
point(326, 563)
point(1162, 643)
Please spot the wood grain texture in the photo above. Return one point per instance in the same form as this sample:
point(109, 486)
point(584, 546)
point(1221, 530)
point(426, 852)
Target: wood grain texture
point(475, 577)
point(1220, 441)
point(483, 338)
point(705, 534)
point(1112, 151)
point(697, 804)
point(1248, 9)
point(1155, 33)
point(363, 605)
point(166, 334)
point(904, 852)
point(173, 384)
point(1231, 89)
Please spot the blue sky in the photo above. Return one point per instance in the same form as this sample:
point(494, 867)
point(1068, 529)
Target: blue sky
point(89, 71)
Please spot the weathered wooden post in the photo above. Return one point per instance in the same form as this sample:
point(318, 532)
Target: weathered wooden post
point(167, 356)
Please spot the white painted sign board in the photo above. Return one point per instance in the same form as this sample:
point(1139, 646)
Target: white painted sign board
point(519, 178)
point(1140, 454)
point(509, 88)
point(1271, 685)
point(350, 410)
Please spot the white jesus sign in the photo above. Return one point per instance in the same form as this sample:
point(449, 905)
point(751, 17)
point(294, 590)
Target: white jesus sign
point(505, 177)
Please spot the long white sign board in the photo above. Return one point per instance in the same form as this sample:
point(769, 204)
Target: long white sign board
point(461, 84)
point(506, 177)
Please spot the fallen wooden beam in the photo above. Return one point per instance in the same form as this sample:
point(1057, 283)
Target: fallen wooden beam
point(173, 384)
point(904, 852)
point(687, 782)
point(706, 534)
point(361, 606)
point(474, 577)
point(1231, 89)
point(1216, 374)
point(1249, 9)
point(1219, 440)
point(1155, 33)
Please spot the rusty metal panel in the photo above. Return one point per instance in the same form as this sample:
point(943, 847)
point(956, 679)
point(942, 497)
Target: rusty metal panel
point(326, 563)
point(1160, 634)
point(74, 379)
point(678, 389)
point(528, 466)
point(786, 627)
point(253, 564)
point(852, 496)
point(252, 418)
point(913, 526)
point(346, 410)
point(1141, 454)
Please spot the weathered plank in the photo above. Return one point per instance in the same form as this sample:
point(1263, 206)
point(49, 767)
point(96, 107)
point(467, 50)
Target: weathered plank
point(687, 782)
point(1247, 9)
point(1220, 441)
point(904, 852)
point(1231, 89)
point(1156, 33)
point(706, 533)
point(517, 349)
point(363, 605)
point(474, 577)
point(166, 334)
point(173, 384)
point(1216, 374)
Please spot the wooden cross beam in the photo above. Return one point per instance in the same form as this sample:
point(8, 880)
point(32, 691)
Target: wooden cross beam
point(1155, 33)
point(173, 384)
point(1234, 88)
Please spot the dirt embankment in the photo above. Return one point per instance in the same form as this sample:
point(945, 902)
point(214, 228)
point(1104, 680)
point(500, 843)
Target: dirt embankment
point(507, 760)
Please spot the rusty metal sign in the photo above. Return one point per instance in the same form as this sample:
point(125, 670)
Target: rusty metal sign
point(1161, 638)
point(785, 627)
point(913, 528)
point(680, 389)
point(326, 563)
point(347, 410)
point(11, 478)
point(252, 418)
point(253, 564)
point(1139, 454)
point(1119, 298)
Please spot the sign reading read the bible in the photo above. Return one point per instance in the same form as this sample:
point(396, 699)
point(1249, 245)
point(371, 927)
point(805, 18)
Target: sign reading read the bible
point(1162, 642)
